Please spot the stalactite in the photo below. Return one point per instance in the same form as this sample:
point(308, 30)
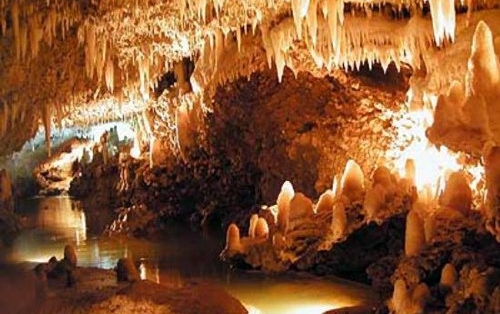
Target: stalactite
point(312, 21)
point(23, 39)
point(47, 117)
point(109, 74)
point(14, 11)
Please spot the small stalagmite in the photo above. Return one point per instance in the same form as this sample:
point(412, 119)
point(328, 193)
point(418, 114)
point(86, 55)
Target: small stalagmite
point(448, 276)
point(374, 201)
point(429, 227)
point(301, 207)
point(261, 228)
point(339, 220)
point(233, 243)
point(415, 234)
point(382, 175)
point(70, 255)
point(336, 185)
point(252, 225)
point(410, 170)
point(283, 202)
point(457, 193)
point(400, 297)
point(352, 182)
point(325, 202)
point(420, 297)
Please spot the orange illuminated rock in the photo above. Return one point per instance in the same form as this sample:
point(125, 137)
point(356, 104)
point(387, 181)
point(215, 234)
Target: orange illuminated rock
point(352, 182)
point(457, 193)
point(261, 228)
point(283, 202)
point(415, 234)
point(325, 202)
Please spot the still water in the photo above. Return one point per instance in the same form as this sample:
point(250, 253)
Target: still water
point(181, 254)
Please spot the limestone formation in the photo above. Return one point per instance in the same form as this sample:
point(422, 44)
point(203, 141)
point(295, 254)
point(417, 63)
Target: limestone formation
point(415, 234)
point(457, 194)
point(261, 228)
point(283, 202)
point(126, 270)
point(70, 255)
point(252, 225)
point(449, 277)
point(352, 182)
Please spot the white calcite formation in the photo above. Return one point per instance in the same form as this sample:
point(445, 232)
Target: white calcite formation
point(374, 201)
point(325, 202)
point(261, 228)
point(352, 182)
point(283, 202)
point(233, 243)
point(457, 193)
point(415, 234)
point(469, 114)
point(339, 221)
point(252, 225)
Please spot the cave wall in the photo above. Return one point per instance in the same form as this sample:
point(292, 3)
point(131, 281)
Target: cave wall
point(305, 128)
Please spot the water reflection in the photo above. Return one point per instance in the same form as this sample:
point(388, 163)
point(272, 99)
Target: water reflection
point(179, 255)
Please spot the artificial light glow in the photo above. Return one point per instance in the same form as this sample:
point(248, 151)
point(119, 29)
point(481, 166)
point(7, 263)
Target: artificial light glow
point(432, 164)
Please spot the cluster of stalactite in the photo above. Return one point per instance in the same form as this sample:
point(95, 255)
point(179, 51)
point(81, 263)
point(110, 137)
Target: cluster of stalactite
point(128, 46)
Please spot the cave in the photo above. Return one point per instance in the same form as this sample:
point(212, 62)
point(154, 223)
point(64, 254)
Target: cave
point(304, 156)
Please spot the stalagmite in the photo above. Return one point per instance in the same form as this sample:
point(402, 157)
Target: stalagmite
point(400, 297)
point(301, 207)
point(233, 243)
point(352, 182)
point(457, 193)
point(261, 228)
point(325, 202)
point(429, 228)
point(382, 176)
point(448, 276)
point(483, 76)
point(374, 201)
point(414, 235)
point(339, 221)
point(251, 226)
point(283, 202)
point(410, 170)
point(420, 296)
point(70, 255)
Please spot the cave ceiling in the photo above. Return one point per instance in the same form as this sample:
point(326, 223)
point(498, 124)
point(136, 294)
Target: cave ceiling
point(90, 61)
